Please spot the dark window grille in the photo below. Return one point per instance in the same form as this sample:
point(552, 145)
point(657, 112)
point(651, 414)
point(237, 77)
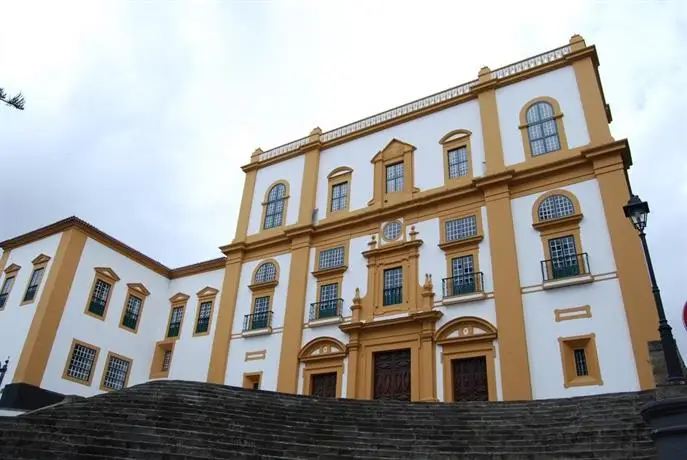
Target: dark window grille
point(133, 311)
point(203, 323)
point(393, 286)
point(166, 360)
point(556, 207)
point(394, 178)
point(274, 214)
point(81, 362)
point(115, 376)
point(36, 277)
point(259, 320)
point(542, 129)
point(581, 368)
point(5, 292)
point(265, 273)
point(330, 258)
point(465, 283)
point(339, 196)
point(175, 322)
point(99, 299)
point(329, 305)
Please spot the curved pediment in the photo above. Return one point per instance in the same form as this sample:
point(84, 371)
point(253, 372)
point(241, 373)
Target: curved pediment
point(466, 328)
point(322, 347)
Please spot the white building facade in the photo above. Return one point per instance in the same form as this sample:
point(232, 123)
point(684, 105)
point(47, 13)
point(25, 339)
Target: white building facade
point(467, 246)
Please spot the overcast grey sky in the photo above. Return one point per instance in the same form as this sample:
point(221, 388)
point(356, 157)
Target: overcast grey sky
point(140, 114)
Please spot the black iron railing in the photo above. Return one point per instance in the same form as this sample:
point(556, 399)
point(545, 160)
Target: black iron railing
point(565, 267)
point(202, 325)
point(97, 306)
point(130, 320)
point(393, 296)
point(259, 320)
point(3, 300)
point(467, 283)
point(173, 329)
point(30, 293)
point(325, 309)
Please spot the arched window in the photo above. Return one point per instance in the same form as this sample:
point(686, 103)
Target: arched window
point(555, 207)
point(265, 273)
point(274, 212)
point(542, 130)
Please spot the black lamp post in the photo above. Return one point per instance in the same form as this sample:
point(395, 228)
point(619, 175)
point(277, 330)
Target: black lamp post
point(636, 210)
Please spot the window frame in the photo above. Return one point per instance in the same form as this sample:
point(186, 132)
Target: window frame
point(110, 356)
point(338, 176)
point(568, 345)
point(558, 120)
point(133, 290)
point(205, 295)
point(94, 365)
point(394, 152)
point(453, 140)
point(179, 300)
point(104, 275)
point(395, 179)
point(385, 288)
point(252, 378)
point(266, 202)
point(10, 274)
point(156, 370)
point(263, 289)
point(40, 262)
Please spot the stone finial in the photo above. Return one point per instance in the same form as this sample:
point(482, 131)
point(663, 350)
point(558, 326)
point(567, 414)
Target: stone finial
point(373, 242)
point(428, 286)
point(484, 74)
point(413, 233)
point(577, 42)
point(257, 152)
point(255, 156)
point(315, 134)
point(356, 297)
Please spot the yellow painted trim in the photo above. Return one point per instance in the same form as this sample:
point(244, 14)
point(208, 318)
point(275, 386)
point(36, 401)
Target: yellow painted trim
point(326, 366)
point(567, 346)
point(550, 193)
point(111, 355)
point(489, 118)
point(246, 205)
point(107, 276)
point(283, 211)
point(395, 152)
point(207, 294)
point(40, 262)
point(454, 140)
point(3, 259)
point(566, 314)
point(178, 300)
point(65, 374)
point(134, 290)
point(311, 171)
point(455, 351)
point(156, 371)
point(41, 336)
point(255, 355)
point(257, 267)
point(339, 176)
point(558, 118)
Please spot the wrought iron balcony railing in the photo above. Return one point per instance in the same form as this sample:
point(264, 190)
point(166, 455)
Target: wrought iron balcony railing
point(173, 329)
point(259, 320)
point(467, 283)
point(565, 267)
point(325, 309)
point(97, 306)
point(30, 293)
point(130, 321)
point(203, 325)
point(3, 300)
point(393, 296)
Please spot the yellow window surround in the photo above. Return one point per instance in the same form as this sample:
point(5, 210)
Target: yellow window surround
point(134, 291)
point(103, 277)
point(580, 361)
point(40, 264)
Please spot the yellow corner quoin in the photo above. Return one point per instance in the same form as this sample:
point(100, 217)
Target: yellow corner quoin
point(484, 191)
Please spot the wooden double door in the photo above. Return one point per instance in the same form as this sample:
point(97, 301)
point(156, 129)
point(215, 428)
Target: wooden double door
point(392, 375)
point(469, 379)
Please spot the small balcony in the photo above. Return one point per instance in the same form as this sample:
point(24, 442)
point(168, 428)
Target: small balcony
point(130, 321)
point(30, 293)
point(97, 307)
point(463, 288)
point(566, 270)
point(257, 323)
point(173, 329)
point(325, 312)
point(393, 296)
point(3, 300)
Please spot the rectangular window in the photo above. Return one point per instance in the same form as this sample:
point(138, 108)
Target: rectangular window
point(101, 292)
point(339, 196)
point(166, 360)
point(329, 301)
point(580, 362)
point(5, 291)
point(393, 286)
point(330, 258)
point(116, 373)
point(175, 322)
point(563, 257)
point(203, 323)
point(458, 162)
point(459, 229)
point(275, 213)
point(133, 310)
point(394, 178)
point(463, 275)
point(81, 362)
point(36, 278)
point(260, 317)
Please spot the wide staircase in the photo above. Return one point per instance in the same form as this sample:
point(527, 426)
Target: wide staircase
point(189, 420)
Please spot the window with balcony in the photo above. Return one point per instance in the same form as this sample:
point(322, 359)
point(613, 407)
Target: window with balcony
point(175, 319)
point(260, 317)
point(393, 286)
point(116, 373)
point(274, 207)
point(328, 304)
point(133, 307)
point(81, 362)
point(541, 124)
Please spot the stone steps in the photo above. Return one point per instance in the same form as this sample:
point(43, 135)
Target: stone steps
point(174, 419)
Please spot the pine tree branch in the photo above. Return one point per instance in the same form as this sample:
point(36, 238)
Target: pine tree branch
point(16, 101)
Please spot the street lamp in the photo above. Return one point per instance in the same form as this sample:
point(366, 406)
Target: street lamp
point(636, 210)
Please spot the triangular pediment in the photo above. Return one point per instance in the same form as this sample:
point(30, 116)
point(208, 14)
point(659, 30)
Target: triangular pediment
point(107, 273)
point(207, 291)
point(179, 297)
point(12, 268)
point(40, 259)
point(394, 149)
point(139, 288)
